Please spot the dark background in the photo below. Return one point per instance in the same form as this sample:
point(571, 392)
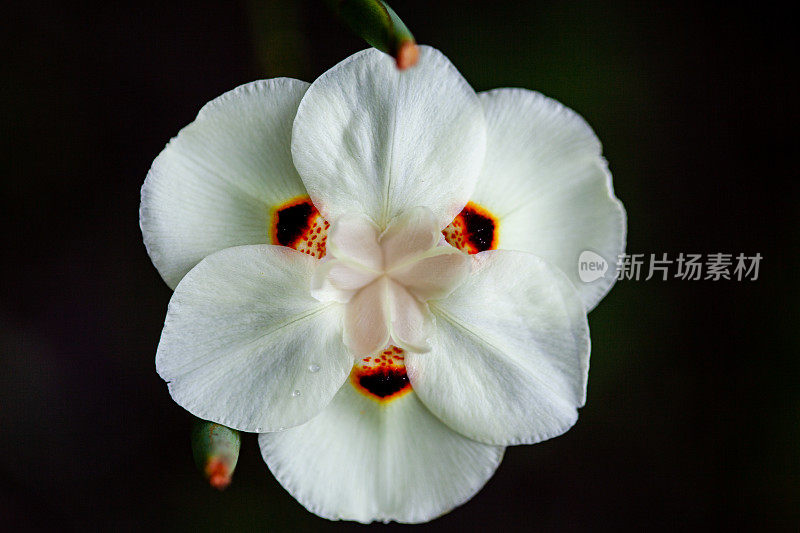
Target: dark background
point(693, 412)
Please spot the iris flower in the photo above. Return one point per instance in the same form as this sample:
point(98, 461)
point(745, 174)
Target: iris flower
point(377, 272)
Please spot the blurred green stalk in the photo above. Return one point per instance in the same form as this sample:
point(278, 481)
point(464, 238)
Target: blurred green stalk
point(378, 24)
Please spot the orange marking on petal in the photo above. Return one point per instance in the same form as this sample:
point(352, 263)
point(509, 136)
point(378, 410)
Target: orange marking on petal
point(382, 380)
point(298, 225)
point(473, 230)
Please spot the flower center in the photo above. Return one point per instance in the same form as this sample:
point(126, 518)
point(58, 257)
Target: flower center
point(385, 278)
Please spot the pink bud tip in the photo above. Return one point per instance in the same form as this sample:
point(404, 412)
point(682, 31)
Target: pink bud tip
point(218, 474)
point(407, 55)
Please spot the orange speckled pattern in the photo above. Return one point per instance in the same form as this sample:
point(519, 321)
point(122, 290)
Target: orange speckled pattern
point(473, 230)
point(297, 224)
point(382, 377)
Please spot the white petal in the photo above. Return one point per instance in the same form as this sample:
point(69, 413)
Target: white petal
point(545, 179)
point(335, 281)
point(410, 322)
point(355, 238)
point(241, 336)
point(408, 235)
point(363, 460)
point(436, 274)
point(212, 187)
point(366, 314)
point(371, 139)
point(510, 357)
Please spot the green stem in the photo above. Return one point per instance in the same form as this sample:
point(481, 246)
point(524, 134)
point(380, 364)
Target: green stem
point(378, 24)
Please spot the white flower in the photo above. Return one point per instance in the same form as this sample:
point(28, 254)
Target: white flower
point(388, 375)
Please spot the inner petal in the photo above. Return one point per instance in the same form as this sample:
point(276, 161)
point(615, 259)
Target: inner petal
point(435, 275)
point(408, 235)
point(410, 322)
point(336, 281)
point(366, 318)
point(355, 239)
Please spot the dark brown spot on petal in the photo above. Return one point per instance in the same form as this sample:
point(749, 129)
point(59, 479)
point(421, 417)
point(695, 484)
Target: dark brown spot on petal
point(381, 379)
point(473, 230)
point(298, 225)
point(384, 382)
point(291, 222)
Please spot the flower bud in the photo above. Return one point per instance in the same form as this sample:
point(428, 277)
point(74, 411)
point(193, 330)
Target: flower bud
point(378, 24)
point(216, 450)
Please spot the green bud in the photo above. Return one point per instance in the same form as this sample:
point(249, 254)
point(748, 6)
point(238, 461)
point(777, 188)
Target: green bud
point(376, 22)
point(216, 451)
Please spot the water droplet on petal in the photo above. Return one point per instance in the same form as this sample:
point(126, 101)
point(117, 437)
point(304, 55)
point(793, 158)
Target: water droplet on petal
point(313, 368)
point(296, 393)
